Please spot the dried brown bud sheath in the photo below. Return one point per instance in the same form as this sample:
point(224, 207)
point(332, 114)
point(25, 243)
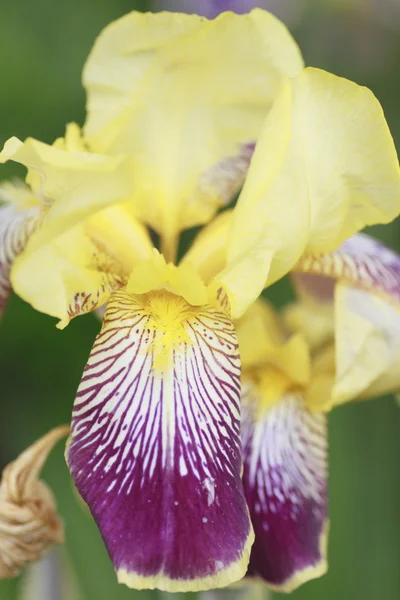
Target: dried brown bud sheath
point(29, 523)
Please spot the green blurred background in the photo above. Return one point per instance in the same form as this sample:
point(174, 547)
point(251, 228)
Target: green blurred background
point(43, 45)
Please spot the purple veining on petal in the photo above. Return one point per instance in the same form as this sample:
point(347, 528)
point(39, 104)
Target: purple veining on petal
point(156, 455)
point(16, 226)
point(363, 245)
point(285, 480)
point(361, 261)
point(225, 178)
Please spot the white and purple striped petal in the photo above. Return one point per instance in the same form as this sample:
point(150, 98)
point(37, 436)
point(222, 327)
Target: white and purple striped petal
point(357, 288)
point(361, 261)
point(16, 226)
point(155, 444)
point(285, 480)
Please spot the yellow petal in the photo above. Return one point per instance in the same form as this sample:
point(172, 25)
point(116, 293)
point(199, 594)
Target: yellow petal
point(318, 394)
point(180, 93)
point(314, 321)
point(155, 273)
point(73, 141)
point(74, 184)
point(367, 345)
point(148, 275)
point(118, 233)
point(19, 195)
point(260, 332)
point(66, 277)
point(324, 168)
point(188, 283)
point(313, 313)
point(263, 342)
point(207, 254)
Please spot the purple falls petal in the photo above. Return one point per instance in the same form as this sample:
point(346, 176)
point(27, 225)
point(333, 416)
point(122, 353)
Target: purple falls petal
point(16, 226)
point(155, 452)
point(285, 480)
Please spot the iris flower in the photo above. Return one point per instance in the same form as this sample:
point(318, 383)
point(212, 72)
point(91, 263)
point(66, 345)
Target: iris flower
point(181, 111)
point(339, 342)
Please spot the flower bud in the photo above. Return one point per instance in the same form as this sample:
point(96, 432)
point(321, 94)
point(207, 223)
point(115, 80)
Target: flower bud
point(29, 523)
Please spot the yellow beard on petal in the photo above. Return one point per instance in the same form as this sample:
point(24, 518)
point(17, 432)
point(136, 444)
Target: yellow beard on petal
point(169, 315)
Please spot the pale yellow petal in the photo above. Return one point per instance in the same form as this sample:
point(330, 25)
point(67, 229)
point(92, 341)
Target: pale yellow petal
point(119, 234)
point(155, 274)
point(260, 332)
point(73, 141)
point(367, 345)
point(207, 254)
point(180, 93)
point(324, 168)
point(318, 393)
point(188, 283)
point(74, 185)
point(72, 272)
point(66, 277)
point(315, 320)
point(263, 341)
point(18, 194)
point(148, 275)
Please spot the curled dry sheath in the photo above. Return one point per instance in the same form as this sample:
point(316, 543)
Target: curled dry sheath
point(29, 523)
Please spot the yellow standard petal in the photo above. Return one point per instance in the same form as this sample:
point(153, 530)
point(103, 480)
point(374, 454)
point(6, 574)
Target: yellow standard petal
point(180, 93)
point(324, 168)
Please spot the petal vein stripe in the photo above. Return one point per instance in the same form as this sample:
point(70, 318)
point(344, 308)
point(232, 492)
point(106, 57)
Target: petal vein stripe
point(285, 475)
point(360, 261)
point(155, 451)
